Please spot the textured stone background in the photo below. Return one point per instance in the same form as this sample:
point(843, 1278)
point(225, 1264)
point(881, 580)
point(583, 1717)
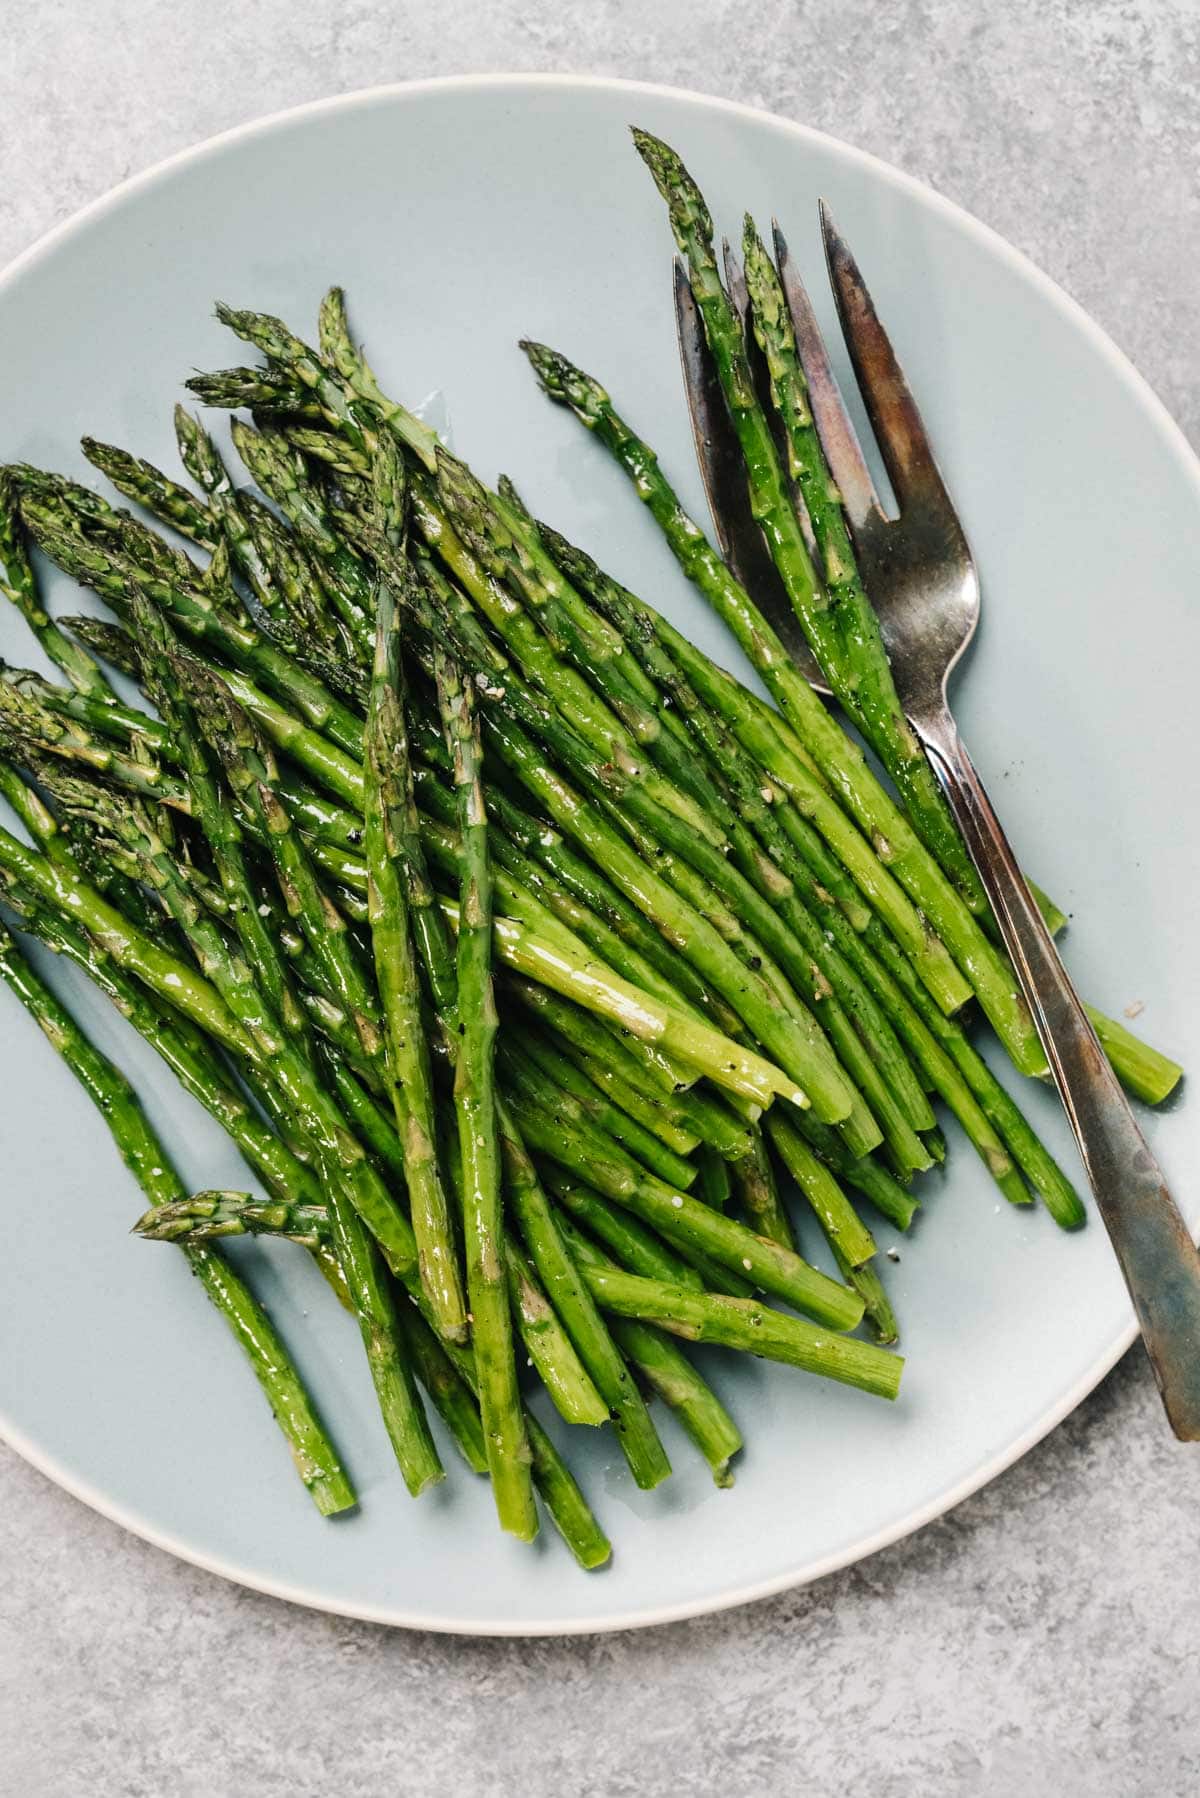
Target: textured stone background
point(1045, 1638)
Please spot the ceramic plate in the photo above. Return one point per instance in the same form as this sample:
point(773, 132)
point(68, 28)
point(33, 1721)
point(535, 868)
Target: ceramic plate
point(461, 215)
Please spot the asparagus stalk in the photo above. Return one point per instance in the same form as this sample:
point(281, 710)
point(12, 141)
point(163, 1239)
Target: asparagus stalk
point(555, 1482)
point(753, 1180)
point(334, 394)
point(257, 390)
point(280, 472)
point(448, 1392)
point(840, 621)
point(586, 901)
point(194, 611)
point(591, 985)
point(548, 1346)
point(780, 1033)
point(788, 1031)
point(588, 714)
point(842, 1225)
point(715, 1184)
point(19, 585)
point(639, 629)
point(738, 1070)
point(745, 1324)
point(329, 765)
point(314, 1454)
point(391, 1370)
point(1148, 1075)
point(475, 1100)
point(395, 966)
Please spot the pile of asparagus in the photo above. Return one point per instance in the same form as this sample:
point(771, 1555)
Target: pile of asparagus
point(518, 947)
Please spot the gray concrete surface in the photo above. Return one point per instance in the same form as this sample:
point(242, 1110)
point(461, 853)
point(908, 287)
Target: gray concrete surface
point(1045, 1638)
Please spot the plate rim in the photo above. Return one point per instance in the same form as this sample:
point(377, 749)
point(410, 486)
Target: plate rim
point(1141, 389)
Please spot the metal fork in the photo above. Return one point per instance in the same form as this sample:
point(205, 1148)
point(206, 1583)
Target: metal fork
point(917, 569)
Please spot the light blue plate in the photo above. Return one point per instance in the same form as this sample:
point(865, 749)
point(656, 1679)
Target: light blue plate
point(461, 215)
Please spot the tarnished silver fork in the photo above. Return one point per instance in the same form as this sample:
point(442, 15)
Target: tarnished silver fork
point(918, 570)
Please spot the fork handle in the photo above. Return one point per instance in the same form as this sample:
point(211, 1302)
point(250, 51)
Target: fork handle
point(1157, 1255)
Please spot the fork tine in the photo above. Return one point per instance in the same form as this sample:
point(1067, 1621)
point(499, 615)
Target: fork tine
point(839, 439)
point(899, 432)
point(735, 281)
point(738, 535)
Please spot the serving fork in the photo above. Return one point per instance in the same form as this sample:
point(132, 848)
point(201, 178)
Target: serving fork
point(918, 570)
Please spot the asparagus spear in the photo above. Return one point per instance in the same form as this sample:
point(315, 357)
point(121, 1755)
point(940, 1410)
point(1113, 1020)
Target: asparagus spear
point(588, 714)
point(280, 472)
point(474, 1098)
point(544, 893)
point(580, 894)
point(395, 965)
point(164, 498)
point(187, 1054)
point(541, 1330)
point(872, 701)
point(715, 1184)
point(109, 572)
point(753, 1180)
point(18, 584)
point(590, 984)
point(744, 1324)
point(639, 628)
point(439, 963)
point(836, 1215)
point(781, 1033)
point(329, 765)
point(555, 1482)
point(334, 394)
point(789, 1031)
point(314, 1454)
point(844, 632)
point(1148, 1075)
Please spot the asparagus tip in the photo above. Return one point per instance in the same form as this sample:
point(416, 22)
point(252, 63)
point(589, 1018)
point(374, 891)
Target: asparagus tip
point(562, 380)
point(684, 199)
